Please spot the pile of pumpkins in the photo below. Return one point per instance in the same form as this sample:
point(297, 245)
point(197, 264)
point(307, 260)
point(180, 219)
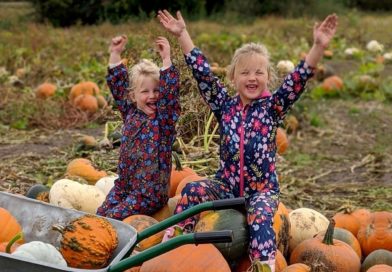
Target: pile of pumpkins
point(87, 242)
point(84, 95)
point(355, 240)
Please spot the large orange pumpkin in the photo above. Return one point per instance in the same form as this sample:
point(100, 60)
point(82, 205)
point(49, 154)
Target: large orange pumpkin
point(141, 222)
point(344, 219)
point(376, 233)
point(328, 253)
point(362, 215)
point(86, 87)
point(178, 173)
point(298, 267)
point(347, 237)
point(45, 90)
point(281, 228)
point(200, 258)
point(282, 141)
point(9, 226)
point(332, 83)
point(88, 242)
point(83, 168)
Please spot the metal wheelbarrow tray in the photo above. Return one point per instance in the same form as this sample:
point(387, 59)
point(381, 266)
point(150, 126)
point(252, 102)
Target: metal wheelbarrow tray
point(37, 218)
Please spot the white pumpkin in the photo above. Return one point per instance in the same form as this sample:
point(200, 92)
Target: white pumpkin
point(70, 194)
point(40, 251)
point(305, 223)
point(105, 184)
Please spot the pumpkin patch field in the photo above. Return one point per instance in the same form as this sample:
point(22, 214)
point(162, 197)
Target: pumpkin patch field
point(60, 131)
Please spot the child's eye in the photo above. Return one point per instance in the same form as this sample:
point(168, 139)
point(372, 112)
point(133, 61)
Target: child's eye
point(244, 73)
point(260, 73)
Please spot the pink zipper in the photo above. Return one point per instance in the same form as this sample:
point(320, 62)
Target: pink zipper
point(242, 135)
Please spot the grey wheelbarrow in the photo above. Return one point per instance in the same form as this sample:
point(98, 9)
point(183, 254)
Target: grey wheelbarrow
point(37, 219)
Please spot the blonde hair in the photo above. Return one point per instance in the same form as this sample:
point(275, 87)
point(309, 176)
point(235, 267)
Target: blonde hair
point(249, 49)
point(143, 68)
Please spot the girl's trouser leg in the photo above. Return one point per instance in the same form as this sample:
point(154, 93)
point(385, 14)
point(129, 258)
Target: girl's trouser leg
point(261, 208)
point(198, 192)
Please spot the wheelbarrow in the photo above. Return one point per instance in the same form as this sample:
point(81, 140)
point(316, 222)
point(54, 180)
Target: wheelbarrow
point(37, 218)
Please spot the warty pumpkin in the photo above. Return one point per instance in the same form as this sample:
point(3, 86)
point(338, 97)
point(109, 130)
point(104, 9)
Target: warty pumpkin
point(200, 258)
point(87, 242)
point(326, 254)
point(45, 90)
point(376, 233)
point(141, 222)
point(84, 168)
point(379, 256)
point(9, 226)
point(305, 223)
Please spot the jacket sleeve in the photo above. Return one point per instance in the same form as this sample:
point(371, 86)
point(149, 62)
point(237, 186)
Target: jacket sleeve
point(118, 82)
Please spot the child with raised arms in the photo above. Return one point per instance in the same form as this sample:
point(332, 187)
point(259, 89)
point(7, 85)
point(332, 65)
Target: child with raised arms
point(148, 100)
point(248, 124)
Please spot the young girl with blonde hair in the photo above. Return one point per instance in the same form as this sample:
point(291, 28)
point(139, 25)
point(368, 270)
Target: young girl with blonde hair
point(148, 100)
point(248, 123)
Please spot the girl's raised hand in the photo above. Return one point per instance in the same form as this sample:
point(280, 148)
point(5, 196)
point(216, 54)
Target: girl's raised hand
point(171, 24)
point(163, 48)
point(323, 32)
point(117, 45)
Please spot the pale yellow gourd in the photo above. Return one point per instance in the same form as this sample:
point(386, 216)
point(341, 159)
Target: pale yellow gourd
point(70, 194)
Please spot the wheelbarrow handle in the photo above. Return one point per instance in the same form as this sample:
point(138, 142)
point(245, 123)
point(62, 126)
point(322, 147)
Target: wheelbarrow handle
point(223, 236)
point(172, 220)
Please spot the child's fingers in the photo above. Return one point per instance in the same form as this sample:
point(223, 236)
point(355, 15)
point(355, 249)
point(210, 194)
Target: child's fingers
point(179, 16)
point(168, 15)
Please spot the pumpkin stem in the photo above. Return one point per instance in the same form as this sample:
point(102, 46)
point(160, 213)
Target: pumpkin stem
point(328, 238)
point(346, 209)
point(17, 237)
point(178, 166)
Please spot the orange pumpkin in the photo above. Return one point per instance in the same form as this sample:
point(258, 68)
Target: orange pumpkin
point(88, 242)
point(298, 267)
point(86, 87)
point(376, 233)
point(281, 228)
point(379, 256)
point(344, 219)
point(245, 264)
point(380, 268)
point(9, 226)
point(45, 90)
point(83, 168)
point(186, 180)
point(362, 215)
point(86, 102)
point(331, 254)
point(200, 258)
point(347, 237)
point(281, 141)
point(141, 222)
point(168, 209)
point(178, 173)
point(332, 84)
